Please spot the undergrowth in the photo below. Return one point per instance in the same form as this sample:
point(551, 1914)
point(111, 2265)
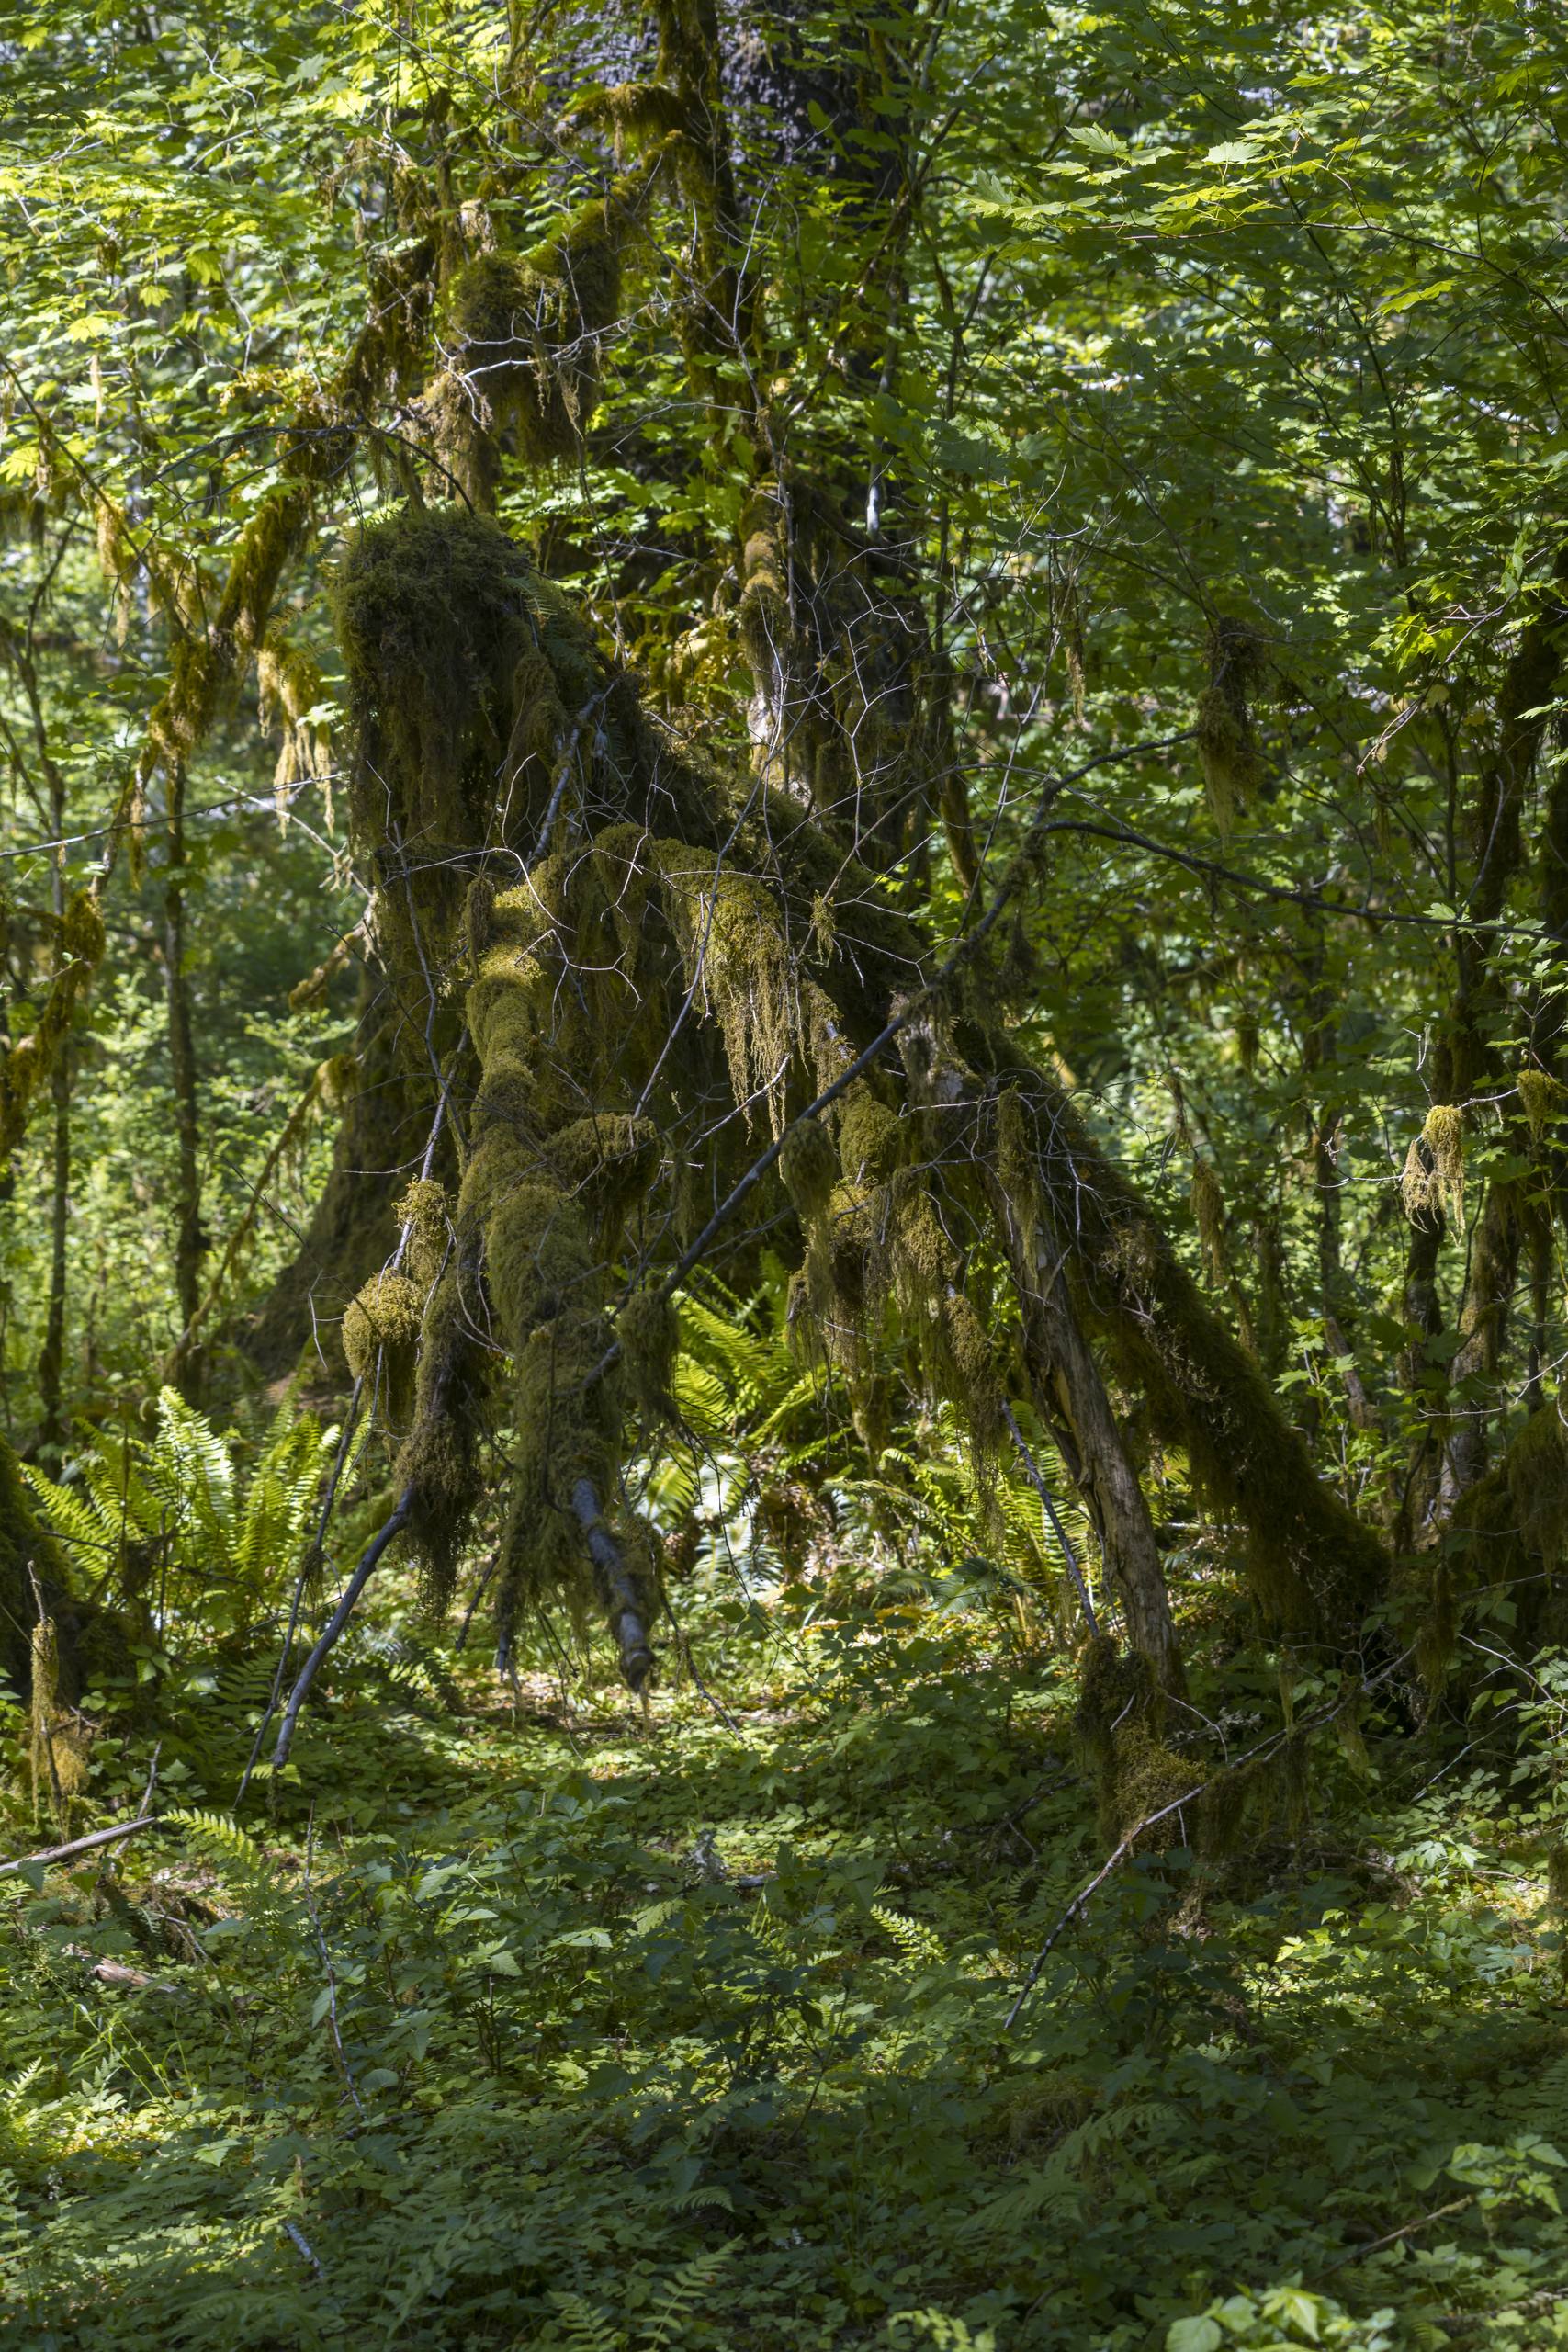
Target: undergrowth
point(506, 2017)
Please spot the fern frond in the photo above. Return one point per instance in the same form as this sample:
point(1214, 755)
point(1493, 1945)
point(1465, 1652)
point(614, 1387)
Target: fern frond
point(681, 2296)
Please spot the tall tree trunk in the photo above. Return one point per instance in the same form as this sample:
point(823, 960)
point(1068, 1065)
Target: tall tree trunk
point(190, 1241)
point(52, 1356)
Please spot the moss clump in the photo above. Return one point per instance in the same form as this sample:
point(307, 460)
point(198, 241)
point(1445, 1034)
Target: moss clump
point(608, 1161)
point(433, 608)
point(527, 331)
point(1227, 747)
point(1544, 1101)
point(380, 1339)
point(1116, 1730)
point(869, 1138)
point(1209, 1213)
point(499, 1162)
point(809, 1166)
point(637, 115)
point(539, 1255)
point(425, 1214)
point(1147, 1777)
point(1433, 1176)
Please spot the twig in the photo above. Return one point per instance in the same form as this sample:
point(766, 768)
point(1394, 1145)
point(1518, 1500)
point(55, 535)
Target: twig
point(684, 1640)
point(1406, 2230)
point(337, 1621)
point(302, 2244)
point(81, 1844)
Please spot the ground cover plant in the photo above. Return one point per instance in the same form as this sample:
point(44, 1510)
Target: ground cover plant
point(782, 1478)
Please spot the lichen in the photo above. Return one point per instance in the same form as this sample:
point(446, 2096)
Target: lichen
point(1433, 1176)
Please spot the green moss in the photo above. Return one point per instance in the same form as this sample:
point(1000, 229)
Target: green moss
point(568, 1429)
point(425, 1212)
point(637, 114)
point(608, 1162)
point(380, 1340)
point(809, 1166)
point(870, 1137)
point(538, 1257)
point(433, 608)
point(738, 964)
point(1544, 1100)
point(1227, 747)
point(526, 328)
point(1536, 1468)
point(439, 1460)
point(24, 1542)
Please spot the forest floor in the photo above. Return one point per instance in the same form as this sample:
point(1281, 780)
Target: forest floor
point(520, 2019)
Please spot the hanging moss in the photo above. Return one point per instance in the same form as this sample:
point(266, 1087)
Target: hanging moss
point(1291, 1782)
point(869, 1138)
point(649, 1329)
point(1221, 1814)
point(1544, 1100)
point(1209, 1211)
point(25, 1544)
point(637, 114)
point(809, 1166)
point(380, 1339)
point(1536, 1468)
point(439, 1461)
point(569, 1429)
point(1437, 1636)
point(973, 1374)
point(25, 1066)
point(1433, 1176)
point(1227, 747)
point(738, 962)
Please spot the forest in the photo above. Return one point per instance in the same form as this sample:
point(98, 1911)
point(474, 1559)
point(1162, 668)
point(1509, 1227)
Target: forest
point(784, 1176)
